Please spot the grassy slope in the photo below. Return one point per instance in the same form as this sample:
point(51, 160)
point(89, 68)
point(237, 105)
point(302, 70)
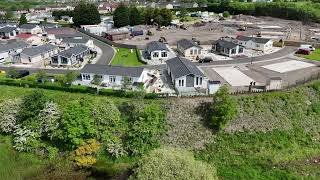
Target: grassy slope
point(314, 55)
point(15, 165)
point(125, 58)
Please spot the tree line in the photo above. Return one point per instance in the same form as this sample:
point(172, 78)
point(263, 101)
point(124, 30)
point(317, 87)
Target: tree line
point(124, 16)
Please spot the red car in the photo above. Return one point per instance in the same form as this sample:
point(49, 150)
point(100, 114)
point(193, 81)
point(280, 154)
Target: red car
point(303, 51)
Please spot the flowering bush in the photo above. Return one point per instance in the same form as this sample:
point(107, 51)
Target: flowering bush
point(25, 139)
point(84, 155)
point(9, 110)
point(49, 118)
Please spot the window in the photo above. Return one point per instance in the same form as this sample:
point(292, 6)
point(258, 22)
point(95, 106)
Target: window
point(112, 79)
point(240, 50)
point(29, 59)
point(164, 54)
point(86, 77)
point(191, 52)
point(199, 51)
point(233, 51)
point(155, 54)
point(198, 81)
point(64, 60)
point(181, 82)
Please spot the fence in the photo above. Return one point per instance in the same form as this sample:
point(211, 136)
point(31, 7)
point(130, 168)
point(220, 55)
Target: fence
point(107, 41)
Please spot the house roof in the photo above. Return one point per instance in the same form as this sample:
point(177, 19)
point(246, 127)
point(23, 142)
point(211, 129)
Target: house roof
point(12, 45)
point(73, 51)
point(7, 29)
point(155, 45)
point(33, 51)
point(254, 39)
point(28, 26)
point(225, 44)
point(75, 40)
point(186, 44)
point(112, 70)
point(60, 31)
point(11, 24)
point(24, 35)
point(181, 67)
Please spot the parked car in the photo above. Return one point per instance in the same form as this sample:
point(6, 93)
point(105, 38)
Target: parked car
point(303, 51)
point(206, 60)
point(307, 47)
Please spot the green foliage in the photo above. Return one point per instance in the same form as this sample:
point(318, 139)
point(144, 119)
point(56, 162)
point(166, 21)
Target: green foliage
point(59, 13)
point(23, 20)
point(31, 106)
point(9, 110)
point(226, 14)
point(135, 17)
point(12, 73)
point(224, 108)
point(169, 163)
point(145, 128)
point(9, 15)
point(97, 79)
point(121, 16)
point(84, 155)
point(76, 124)
point(48, 119)
point(86, 14)
point(68, 78)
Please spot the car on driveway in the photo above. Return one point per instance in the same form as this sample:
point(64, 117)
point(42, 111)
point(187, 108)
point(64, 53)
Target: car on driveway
point(303, 51)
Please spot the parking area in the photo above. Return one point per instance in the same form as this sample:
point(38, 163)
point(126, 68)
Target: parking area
point(288, 66)
point(233, 76)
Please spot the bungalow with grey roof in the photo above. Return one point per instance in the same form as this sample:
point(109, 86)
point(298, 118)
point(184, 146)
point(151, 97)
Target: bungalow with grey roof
point(37, 54)
point(227, 48)
point(72, 56)
point(30, 29)
point(185, 75)
point(72, 42)
point(260, 44)
point(8, 32)
point(189, 48)
point(11, 51)
point(113, 76)
point(156, 51)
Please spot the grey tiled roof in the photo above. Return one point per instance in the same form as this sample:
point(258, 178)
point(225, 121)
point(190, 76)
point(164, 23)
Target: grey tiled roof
point(73, 51)
point(254, 39)
point(112, 70)
point(225, 44)
point(181, 67)
point(155, 45)
point(28, 26)
point(34, 51)
point(7, 29)
point(67, 35)
point(75, 40)
point(12, 46)
point(186, 44)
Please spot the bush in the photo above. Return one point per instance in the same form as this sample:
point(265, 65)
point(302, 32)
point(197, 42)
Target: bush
point(49, 118)
point(224, 108)
point(226, 14)
point(84, 155)
point(169, 163)
point(25, 139)
point(9, 110)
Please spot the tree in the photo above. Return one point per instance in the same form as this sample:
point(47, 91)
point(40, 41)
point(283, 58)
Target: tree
point(86, 14)
point(121, 16)
point(135, 16)
point(41, 75)
point(166, 16)
point(224, 108)
point(68, 78)
point(145, 129)
point(97, 79)
point(76, 124)
point(170, 163)
point(183, 14)
point(226, 14)
point(8, 15)
point(23, 19)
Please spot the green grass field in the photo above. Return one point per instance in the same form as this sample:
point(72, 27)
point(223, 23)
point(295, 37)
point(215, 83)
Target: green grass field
point(124, 57)
point(315, 55)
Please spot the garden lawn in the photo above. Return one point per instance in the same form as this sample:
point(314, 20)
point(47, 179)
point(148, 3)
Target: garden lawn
point(315, 55)
point(124, 57)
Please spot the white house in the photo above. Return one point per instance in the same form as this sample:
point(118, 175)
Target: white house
point(260, 44)
point(11, 51)
point(227, 48)
point(72, 42)
point(38, 53)
point(189, 48)
point(113, 76)
point(185, 76)
point(30, 29)
point(157, 51)
point(72, 56)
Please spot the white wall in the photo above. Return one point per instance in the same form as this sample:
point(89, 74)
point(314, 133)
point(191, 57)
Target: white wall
point(159, 57)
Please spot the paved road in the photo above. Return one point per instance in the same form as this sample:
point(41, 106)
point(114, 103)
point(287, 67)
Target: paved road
point(107, 51)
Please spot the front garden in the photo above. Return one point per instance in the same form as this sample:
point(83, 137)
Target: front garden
point(315, 55)
point(127, 57)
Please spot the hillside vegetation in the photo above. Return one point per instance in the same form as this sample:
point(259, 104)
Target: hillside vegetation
point(275, 136)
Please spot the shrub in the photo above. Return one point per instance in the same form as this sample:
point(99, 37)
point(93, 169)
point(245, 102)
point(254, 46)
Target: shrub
point(224, 108)
point(9, 110)
point(145, 130)
point(84, 155)
point(169, 163)
point(76, 124)
point(25, 139)
point(226, 14)
point(49, 118)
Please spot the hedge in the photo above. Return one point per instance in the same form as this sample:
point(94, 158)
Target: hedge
point(76, 89)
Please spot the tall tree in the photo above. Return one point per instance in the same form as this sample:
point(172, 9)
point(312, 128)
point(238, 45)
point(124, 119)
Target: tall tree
point(121, 16)
point(8, 15)
point(166, 16)
point(86, 14)
point(23, 19)
point(135, 16)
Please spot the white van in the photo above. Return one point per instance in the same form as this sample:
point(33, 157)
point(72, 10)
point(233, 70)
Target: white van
point(307, 47)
